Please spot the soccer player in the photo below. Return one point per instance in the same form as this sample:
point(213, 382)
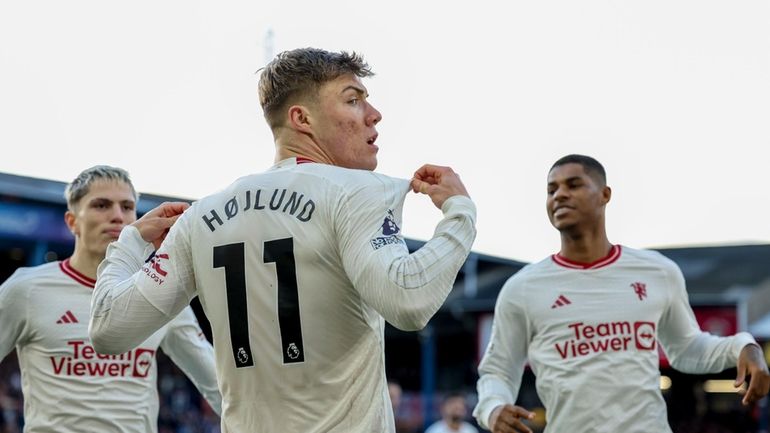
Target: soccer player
point(589, 319)
point(297, 268)
point(453, 413)
point(44, 311)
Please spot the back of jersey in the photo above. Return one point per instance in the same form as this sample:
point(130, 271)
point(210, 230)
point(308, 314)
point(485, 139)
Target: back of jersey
point(297, 349)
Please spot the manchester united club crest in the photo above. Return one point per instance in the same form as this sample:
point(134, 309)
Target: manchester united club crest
point(640, 289)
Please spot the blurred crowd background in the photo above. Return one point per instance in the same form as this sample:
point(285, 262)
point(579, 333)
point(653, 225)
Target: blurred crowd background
point(728, 286)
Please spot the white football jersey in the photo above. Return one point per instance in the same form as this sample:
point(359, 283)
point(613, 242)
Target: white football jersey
point(67, 386)
point(590, 334)
point(442, 426)
point(296, 269)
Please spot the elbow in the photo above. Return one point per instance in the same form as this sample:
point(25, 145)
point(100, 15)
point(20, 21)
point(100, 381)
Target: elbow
point(409, 326)
point(411, 319)
point(412, 313)
point(103, 344)
point(103, 347)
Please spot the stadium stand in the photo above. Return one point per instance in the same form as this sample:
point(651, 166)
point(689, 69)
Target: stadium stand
point(729, 288)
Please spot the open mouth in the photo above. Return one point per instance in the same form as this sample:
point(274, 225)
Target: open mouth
point(372, 139)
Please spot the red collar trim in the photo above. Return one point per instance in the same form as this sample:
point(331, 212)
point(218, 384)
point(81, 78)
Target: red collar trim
point(303, 160)
point(75, 275)
point(607, 260)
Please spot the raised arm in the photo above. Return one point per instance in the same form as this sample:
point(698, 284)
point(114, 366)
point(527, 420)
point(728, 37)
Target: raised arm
point(138, 292)
point(406, 289)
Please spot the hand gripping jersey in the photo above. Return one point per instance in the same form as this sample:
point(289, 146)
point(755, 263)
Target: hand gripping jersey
point(67, 386)
point(296, 269)
point(590, 333)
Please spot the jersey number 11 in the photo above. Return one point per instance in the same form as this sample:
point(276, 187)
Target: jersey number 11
point(281, 252)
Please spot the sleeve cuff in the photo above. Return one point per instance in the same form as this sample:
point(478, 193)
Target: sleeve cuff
point(485, 409)
point(741, 340)
point(129, 248)
point(132, 240)
point(459, 204)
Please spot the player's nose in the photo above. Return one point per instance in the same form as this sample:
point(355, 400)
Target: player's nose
point(116, 214)
point(373, 117)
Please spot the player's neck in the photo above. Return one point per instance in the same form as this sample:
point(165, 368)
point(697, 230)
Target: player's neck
point(454, 425)
point(301, 146)
point(85, 262)
point(585, 246)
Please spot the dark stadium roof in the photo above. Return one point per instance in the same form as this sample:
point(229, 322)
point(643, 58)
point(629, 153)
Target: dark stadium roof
point(714, 275)
point(16, 187)
point(715, 269)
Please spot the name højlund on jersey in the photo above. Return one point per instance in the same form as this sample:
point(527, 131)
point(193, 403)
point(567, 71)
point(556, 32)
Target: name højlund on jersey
point(294, 204)
point(84, 361)
point(606, 337)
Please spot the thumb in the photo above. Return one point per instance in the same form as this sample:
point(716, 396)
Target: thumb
point(164, 223)
point(420, 186)
point(171, 220)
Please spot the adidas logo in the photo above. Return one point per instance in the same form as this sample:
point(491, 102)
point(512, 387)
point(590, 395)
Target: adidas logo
point(561, 301)
point(67, 317)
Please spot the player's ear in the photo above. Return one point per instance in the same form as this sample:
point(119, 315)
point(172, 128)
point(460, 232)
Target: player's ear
point(299, 118)
point(69, 219)
point(606, 194)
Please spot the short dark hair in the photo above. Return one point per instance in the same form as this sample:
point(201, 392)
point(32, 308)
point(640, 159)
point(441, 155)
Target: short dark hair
point(591, 166)
point(451, 396)
point(300, 73)
point(81, 185)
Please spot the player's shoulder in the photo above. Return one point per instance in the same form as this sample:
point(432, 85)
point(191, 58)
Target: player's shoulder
point(25, 278)
point(226, 197)
point(31, 273)
point(650, 258)
point(531, 271)
point(436, 427)
point(314, 175)
point(350, 179)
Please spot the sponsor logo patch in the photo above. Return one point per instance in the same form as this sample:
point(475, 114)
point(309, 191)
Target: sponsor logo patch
point(390, 232)
point(155, 264)
point(606, 337)
point(153, 268)
point(560, 302)
point(84, 361)
point(67, 317)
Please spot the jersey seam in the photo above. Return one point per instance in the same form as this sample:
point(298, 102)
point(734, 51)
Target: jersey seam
point(25, 329)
